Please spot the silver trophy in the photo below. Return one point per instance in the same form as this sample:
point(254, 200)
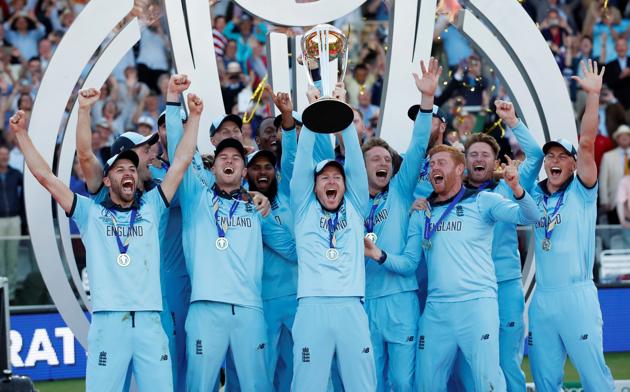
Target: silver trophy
point(322, 45)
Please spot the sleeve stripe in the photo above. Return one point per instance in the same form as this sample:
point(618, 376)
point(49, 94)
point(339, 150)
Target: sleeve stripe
point(586, 186)
point(166, 202)
point(74, 206)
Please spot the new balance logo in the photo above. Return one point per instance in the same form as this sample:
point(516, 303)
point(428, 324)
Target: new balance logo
point(102, 359)
point(421, 342)
point(584, 337)
point(306, 355)
point(459, 211)
point(164, 357)
point(410, 338)
point(366, 350)
point(485, 336)
point(511, 324)
point(198, 347)
point(261, 346)
point(530, 339)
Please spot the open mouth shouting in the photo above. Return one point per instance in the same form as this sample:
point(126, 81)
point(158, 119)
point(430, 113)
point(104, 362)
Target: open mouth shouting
point(438, 179)
point(381, 174)
point(555, 172)
point(229, 170)
point(128, 184)
point(331, 194)
point(479, 168)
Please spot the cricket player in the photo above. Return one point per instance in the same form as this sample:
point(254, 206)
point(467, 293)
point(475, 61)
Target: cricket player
point(330, 203)
point(391, 299)
point(564, 316)
point(454, 237)
point(120, 235)
point(481, 162)
point(222, 241)
point(170, 226)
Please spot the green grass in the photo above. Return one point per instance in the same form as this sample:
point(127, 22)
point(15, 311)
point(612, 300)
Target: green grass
point(619, 364)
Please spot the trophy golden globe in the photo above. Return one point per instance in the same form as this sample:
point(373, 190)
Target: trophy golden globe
point(325, 46)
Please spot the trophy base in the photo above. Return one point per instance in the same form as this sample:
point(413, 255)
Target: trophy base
point(327, 115)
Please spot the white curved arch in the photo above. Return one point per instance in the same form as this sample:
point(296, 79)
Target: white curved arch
point(291, 13)
point(99, 73)
point(88, 31)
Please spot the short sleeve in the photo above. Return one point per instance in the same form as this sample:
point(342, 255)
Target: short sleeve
point(80, 211)
point(588, 194)
point(156, 199)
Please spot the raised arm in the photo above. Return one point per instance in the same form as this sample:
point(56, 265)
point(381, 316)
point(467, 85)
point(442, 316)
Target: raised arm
point(529, 169)
point(591, 83)
point(407, 262)
point(356, 176)
point(90, 165)
point(185, 149)
point(303, 178)
point(38, 166)
point(289, 138)
point(407, 177)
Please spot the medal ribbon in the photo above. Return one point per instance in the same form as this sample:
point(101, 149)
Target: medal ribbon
point(428, 233)
point(369, 222)
point(122, 248)
point(332, 224)
point(222, 229)
point(549, 226)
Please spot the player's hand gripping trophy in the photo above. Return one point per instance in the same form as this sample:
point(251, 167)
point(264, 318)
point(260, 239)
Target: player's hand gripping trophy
point(324, 46)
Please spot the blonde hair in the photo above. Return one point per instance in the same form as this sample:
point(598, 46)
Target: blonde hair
point(456, 155)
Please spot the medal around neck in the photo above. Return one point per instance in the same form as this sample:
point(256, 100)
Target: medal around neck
point(222, 243)
point(426, 244)
point(123, 259)
point(372, 237)
point(332, 254)
point(546, 244)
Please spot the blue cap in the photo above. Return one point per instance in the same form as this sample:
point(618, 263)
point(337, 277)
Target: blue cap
point(125, 154)
point(562, 143)
point(328, 162)
point(129, 140)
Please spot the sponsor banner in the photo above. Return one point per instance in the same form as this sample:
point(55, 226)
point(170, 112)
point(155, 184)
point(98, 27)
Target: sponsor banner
point(44, 348)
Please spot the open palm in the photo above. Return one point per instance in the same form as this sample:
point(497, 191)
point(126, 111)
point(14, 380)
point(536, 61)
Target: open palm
point(430, 77)
point(592, 80)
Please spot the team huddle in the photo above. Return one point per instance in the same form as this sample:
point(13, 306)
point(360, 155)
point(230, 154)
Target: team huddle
point(296, 270)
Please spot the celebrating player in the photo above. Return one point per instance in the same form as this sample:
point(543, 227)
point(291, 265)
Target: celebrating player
point(564, 316)
point(391, 300)
point(481, 161)
point(330, 204)
point(453, 237)
point(121, 238)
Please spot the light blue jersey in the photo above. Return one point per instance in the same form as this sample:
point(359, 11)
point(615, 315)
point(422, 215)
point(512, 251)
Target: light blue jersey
point(572, 241)
point(423, 186)
point(318, 276)
point(280, 257)
point(175, 131)
point(391, 215)
point(507, 259)
point(459, 262)
point(135, 287)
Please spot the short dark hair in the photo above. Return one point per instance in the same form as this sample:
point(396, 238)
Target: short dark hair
point(483, 138)
point(377, 142)
point(360, 66)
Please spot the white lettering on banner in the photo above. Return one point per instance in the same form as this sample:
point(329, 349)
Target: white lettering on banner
point(68, 344)
point(42, 349)
point(46, 353)
point(15, 340)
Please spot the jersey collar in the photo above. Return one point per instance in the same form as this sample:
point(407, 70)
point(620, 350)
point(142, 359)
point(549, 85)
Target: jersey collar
point(493, 185)
point(467, 193)
point(110, 205)
point(239, 194)
point(543, 185)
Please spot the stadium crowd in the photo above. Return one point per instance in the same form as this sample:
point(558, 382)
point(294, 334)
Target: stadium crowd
point(137, 103)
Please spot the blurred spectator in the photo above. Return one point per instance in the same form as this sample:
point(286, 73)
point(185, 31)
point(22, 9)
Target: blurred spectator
point(455, 45)
point(24, 31)
point(44, 52)
point(556, 31)
point(240, 30)
point(360, 81)
point(145, 125)
point(153, 55)
point(257, 62)
point(617, 75)
point(608, 28)
point(232, 84)
point(217, 35)
point(368, 111)
point(377, 10)
point(11, 209)
point(615, 164)
point(623, 203)
point(468, 83)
